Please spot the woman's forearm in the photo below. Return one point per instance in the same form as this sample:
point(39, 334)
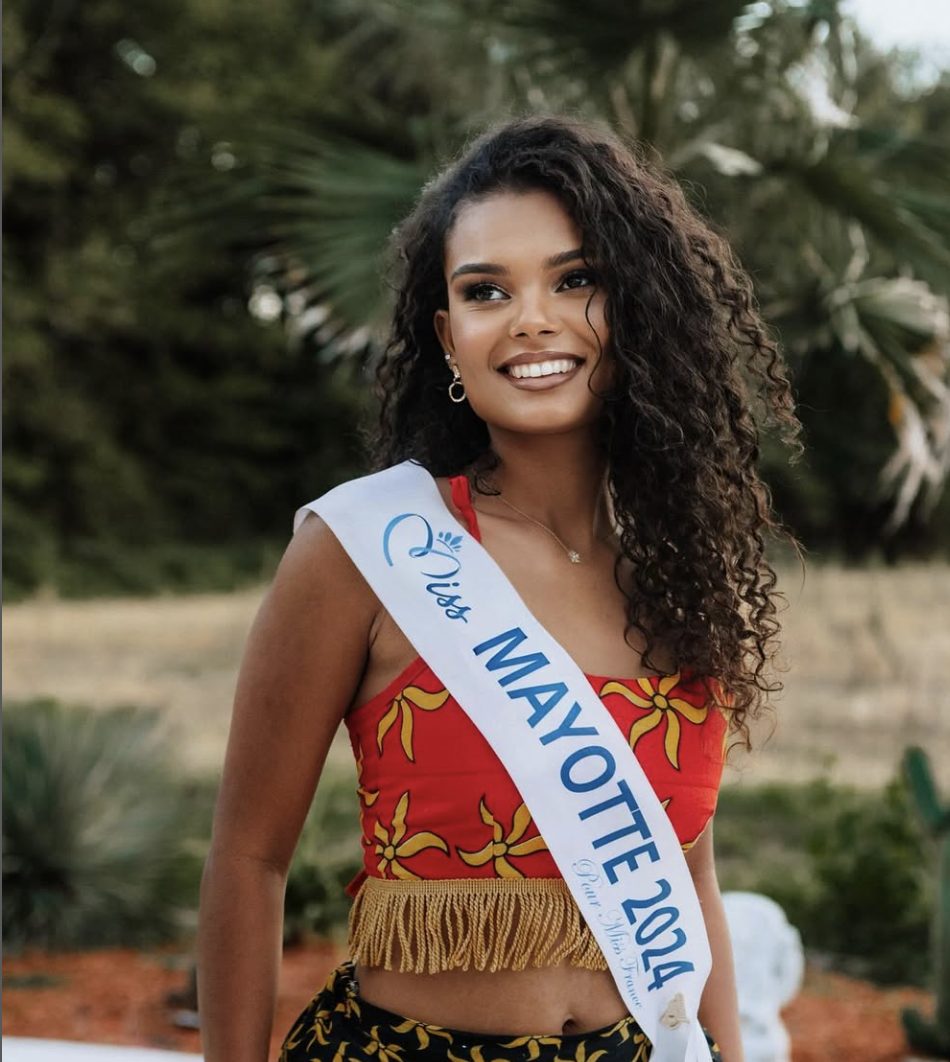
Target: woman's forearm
point(239, 949)
point(719, 1010)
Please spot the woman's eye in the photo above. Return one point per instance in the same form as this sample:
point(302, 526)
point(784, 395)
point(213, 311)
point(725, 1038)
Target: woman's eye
point(579, 278)
point(482, 293)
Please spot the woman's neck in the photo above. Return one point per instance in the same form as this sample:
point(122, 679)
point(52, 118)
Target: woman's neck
point(558, 480)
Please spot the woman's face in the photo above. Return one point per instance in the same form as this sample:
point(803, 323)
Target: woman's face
point(525, 320)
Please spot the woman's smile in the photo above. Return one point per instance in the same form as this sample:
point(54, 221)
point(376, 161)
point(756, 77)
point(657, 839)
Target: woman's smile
point(541, 371)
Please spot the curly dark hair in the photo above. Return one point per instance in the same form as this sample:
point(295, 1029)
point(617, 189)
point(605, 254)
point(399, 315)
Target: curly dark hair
point(696, 376)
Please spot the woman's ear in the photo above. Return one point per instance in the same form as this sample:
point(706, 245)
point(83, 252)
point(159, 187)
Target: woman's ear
point(443, 329)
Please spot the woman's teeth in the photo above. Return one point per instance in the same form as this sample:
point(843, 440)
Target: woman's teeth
point(541, 368)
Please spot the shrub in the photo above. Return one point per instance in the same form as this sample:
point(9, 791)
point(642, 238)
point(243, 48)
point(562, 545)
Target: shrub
point(873, 900)
point(848, 867)
point(92, 828)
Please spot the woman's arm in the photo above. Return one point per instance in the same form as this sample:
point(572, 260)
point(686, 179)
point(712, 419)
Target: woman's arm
point(719, 1009)
point(303, 662)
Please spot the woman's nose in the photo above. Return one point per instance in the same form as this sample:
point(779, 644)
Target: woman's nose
point(533, 316)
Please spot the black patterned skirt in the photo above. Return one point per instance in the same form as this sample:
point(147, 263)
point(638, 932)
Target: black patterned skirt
point(338, 1026)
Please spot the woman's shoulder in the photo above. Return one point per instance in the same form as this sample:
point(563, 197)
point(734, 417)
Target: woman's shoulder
point(316, 562)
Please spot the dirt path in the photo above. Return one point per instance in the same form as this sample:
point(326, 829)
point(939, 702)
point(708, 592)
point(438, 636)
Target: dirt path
point(868, 655)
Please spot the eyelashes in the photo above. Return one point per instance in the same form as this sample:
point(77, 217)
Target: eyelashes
point(482, 292)
point(486, 291)
point(587, 278)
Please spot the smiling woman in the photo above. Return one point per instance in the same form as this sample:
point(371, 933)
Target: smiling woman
point(530, 319)
point(538, 621)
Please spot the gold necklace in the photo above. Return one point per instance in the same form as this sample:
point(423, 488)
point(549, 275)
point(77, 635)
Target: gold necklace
point(575, 557)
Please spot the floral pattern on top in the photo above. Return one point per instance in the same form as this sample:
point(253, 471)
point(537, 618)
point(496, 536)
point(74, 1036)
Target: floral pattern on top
point(414, 743)
point(391, 847)
point(660, 707)
point(407, 699)
point(368, 796)
point(500, 848)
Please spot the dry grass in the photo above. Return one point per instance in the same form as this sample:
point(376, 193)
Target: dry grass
point(868, 655)
point(868, 672)
point(177, 654)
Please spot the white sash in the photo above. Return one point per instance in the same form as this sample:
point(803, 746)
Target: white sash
point(588, 795)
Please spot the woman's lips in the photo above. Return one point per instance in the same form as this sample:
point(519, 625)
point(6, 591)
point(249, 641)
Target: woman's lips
point(560, 375)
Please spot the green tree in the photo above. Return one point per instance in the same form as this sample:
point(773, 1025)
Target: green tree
point(151, 427)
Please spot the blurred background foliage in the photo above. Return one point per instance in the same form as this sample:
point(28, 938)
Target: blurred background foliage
point(97, 837)
point(104, 836)
point(850, 868)
point(198, 196)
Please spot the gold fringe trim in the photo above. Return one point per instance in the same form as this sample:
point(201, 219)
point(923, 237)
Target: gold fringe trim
point(470, 923)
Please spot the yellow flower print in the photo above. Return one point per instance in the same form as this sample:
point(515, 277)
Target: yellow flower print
point(533, 1044)
point(384, 1052)
point(388, 848)
point(581, 1054)
point(423, 1034)
point(409, 698)
point(474, 1055)
point(663, 707)
point(369, 796)
point(320, 1029)
point(640, 1041)
point(512, 845)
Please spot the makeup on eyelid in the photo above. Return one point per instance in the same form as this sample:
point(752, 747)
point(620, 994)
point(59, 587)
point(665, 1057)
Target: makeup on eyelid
point(473, 292)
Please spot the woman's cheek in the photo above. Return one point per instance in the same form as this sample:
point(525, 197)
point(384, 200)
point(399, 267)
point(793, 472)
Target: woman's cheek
point(474, 336)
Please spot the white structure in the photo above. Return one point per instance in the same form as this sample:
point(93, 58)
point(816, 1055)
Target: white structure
point(770, 964)
point(19, 1049)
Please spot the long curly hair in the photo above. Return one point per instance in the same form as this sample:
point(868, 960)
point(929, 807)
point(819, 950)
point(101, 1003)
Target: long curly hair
point(695, 378)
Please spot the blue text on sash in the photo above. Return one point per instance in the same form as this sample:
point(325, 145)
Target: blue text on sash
point(587, 769)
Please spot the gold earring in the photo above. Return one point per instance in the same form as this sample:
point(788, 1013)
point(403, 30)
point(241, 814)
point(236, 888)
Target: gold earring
point(455, 396)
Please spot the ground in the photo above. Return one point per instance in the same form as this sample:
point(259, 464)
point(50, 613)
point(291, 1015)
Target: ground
point(121, 997)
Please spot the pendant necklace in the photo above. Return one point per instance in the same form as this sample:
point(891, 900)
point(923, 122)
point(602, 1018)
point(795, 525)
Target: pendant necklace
point(574, 556)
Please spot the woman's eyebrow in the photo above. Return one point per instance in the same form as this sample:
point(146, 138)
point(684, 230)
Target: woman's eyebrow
point(501, 271)
point(564, 257)
point(480, 267)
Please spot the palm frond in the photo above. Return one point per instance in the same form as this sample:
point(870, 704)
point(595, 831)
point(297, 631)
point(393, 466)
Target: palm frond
point(902, 328)
point(592, 42)
point(329, 208)
point(849, 191)
point(313, 212)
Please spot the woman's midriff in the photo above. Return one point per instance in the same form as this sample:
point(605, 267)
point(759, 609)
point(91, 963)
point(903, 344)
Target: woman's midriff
point(549, 1001)
point(558, 999)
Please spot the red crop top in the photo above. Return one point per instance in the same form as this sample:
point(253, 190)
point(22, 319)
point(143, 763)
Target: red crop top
point(447, 838)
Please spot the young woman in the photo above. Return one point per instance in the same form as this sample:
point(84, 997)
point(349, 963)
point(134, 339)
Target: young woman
point(575, 358)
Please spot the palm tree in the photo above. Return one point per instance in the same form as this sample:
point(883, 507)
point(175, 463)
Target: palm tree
point(778, 118)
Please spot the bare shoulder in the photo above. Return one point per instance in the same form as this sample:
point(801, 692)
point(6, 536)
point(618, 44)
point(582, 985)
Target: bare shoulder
point(319, 615)
point(315, 565)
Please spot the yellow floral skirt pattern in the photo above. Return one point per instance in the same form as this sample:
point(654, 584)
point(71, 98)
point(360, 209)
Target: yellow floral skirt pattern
point(338, 1026)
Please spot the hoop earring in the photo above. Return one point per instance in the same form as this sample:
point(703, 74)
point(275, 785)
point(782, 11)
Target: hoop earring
point(456, 380)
